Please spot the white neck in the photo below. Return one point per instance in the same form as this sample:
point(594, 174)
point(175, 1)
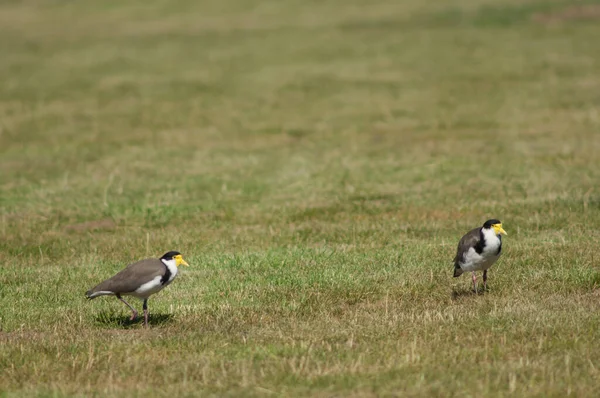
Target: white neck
point(492, 241)
point(489, 233)
point(172, 266)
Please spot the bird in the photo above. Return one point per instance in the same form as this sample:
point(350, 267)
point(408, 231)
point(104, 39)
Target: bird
point(478, 250)
point(140, 279)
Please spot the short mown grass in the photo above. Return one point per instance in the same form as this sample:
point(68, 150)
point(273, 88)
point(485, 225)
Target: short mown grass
point(316, 163)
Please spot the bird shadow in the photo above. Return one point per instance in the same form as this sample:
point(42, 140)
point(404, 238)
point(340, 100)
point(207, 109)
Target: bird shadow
point(108, 318)
point(466, 293)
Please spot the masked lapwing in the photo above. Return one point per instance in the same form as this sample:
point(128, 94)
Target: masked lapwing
point(478, 250)
point(141, 279)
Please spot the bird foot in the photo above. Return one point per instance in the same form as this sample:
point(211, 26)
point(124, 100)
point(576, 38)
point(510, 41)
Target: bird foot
point(134, 315)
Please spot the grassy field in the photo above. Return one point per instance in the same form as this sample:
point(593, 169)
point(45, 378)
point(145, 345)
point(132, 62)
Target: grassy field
point(316, 162)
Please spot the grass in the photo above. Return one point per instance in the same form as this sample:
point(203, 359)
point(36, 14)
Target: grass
point(316, 164)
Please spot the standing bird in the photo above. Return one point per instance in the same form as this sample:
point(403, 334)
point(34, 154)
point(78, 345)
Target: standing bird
point(141, 280)
point(478, 250)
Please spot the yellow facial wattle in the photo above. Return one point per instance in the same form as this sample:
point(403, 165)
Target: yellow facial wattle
point(179, 260)
point(498, 229)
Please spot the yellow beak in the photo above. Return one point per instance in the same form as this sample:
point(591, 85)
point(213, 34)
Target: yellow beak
point(187, 265)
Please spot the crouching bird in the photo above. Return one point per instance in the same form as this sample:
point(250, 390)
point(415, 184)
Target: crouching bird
point(141, 280)
point(478, 250)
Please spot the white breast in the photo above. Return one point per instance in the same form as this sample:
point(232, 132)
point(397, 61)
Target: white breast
point(474, 261)
point(154, 285)
point(148, 288)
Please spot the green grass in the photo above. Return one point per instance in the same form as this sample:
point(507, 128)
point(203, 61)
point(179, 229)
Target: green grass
point(316, 163)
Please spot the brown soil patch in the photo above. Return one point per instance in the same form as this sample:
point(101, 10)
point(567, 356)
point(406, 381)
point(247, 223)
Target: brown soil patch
point(104, 224)
point(573, 13)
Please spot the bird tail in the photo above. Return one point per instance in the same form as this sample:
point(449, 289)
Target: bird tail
point(92, 294)
point(457, 270)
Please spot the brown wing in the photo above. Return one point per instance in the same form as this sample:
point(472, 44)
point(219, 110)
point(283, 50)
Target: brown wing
point(132, 277)
point(470, 239)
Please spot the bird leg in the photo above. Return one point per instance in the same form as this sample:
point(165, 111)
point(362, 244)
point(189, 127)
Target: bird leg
point(485, 280)
point(145, 312)
point(474, 282)
point(134, 313)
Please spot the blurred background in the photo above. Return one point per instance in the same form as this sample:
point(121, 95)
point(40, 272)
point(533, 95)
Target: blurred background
point(157, 113)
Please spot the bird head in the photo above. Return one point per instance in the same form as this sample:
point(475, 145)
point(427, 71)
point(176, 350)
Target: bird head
point(496, 225)
point(175, 256)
